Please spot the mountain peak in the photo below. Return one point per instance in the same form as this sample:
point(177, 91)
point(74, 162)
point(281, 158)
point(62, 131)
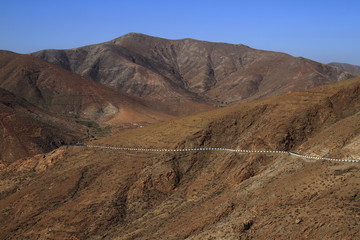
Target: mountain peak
point(173, 75)
point(135, 37)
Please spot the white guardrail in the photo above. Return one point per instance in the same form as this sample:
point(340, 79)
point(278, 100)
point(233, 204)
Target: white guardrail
point(217, 149)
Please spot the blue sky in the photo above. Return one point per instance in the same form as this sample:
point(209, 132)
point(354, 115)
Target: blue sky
point(324, 31)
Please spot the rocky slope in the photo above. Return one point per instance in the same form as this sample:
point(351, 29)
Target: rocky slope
point(88, 193)
point(26, 130)
point(167, 72)
point(60, 91)
point(347, 67)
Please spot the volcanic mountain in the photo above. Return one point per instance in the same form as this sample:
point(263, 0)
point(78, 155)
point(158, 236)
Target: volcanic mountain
point(166, 72)
point(347, 67)
point(93, 193)
point(60, 91)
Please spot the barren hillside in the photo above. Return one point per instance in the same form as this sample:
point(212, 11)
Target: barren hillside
point(26, 130)
point(166, 72)
point(347, 67)
point(60, 91)
point(89, 193)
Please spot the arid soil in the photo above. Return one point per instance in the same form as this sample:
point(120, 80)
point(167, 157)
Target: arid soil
point(60, 91)
point(76, 192)
point(26, 130)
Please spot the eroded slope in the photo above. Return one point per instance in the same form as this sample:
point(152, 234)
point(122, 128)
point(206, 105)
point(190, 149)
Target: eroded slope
point(347, 67)
point(170, 73)
point(103, 194)
point(26, 130)
point(61, 91)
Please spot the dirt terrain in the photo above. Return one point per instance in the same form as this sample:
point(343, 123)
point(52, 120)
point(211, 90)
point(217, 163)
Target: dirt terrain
point(26, 130)
point(77, 192)
point(60, 91)
point(43, 107)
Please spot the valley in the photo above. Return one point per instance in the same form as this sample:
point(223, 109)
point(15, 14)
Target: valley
point(106, 194)
point(140, 92)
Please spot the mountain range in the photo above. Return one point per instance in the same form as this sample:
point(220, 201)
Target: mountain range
point(56, 105)
point(167, 73)
point(347, 67)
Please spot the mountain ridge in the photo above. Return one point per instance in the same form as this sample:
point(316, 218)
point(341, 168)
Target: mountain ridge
point(346, 66)
point(57, 90)
point(205, 72)
point(78, 192)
